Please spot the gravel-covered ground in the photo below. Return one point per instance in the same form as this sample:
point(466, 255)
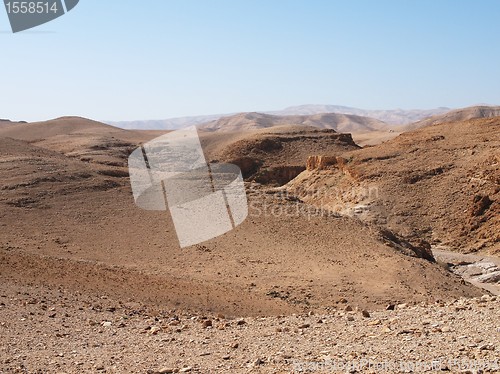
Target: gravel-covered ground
point(55, 331)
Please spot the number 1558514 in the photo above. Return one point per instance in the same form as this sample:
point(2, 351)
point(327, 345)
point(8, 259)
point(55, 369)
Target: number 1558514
point(31, 7)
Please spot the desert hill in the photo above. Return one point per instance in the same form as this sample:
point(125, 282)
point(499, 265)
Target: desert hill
point(67, 222)
point(457, 115)
point(59, 126)
point(440, 183)
point(80, 138)
point(7, 123)
point(255, 121)
point(30, 174)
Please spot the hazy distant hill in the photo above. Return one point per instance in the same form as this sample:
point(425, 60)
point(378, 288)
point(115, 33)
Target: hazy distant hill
point(165, 124)
point(393, 117)
point(255, 121)
point(458, 115)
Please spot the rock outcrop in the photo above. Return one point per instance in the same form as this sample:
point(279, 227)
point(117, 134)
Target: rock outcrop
point(332, 162)
point(320, 162)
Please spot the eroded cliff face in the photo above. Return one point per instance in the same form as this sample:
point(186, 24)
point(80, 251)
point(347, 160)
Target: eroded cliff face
point(334, 183)
point(338, 163)
point(320, 162)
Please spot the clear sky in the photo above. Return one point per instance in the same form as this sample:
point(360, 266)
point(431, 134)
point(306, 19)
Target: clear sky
point(155, 59)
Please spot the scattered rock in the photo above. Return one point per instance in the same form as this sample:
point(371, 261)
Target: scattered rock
point(487, 347)
point(489, 278)
point(155, 330)
point(486, 298)
point(480, 204)
point(207, 323)
point(258, 362)
point(165, 371)
point(386, 329)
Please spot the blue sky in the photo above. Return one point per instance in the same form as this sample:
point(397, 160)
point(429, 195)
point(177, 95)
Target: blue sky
point(155, 59)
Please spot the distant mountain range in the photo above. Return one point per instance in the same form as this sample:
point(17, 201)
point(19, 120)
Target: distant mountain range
point(339, 118)
point(393, 117)
point(257, 121)
point(166, 124)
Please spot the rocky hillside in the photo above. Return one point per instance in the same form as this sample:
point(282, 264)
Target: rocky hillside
point(440, 183)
